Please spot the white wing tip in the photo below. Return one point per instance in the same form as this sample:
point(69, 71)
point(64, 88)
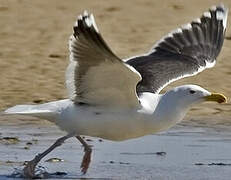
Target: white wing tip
point(85, 13)
point(207, 14)
point(94, 24)
point(80, 17)
point(88, 18)
point(197, 20)
point(186, 26)
point(213, 8)
point(221, 13)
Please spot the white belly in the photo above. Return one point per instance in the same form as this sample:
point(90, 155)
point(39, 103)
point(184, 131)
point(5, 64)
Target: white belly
point(110, 124)
point(107, 124)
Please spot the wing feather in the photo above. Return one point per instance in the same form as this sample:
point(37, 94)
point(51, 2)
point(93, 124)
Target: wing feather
point(95, 75)
point(183, 52)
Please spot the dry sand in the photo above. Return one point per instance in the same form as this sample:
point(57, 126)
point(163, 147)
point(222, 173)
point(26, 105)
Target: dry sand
point(34, 55)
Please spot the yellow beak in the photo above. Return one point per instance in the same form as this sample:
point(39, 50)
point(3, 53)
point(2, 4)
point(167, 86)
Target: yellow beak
point(220, 98)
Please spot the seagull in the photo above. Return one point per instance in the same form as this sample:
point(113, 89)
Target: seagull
point(119, 99)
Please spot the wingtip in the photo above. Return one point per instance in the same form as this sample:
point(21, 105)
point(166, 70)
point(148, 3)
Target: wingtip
point(88, 18)
point(220, 6)
point(85, 13)
point(83, 17)
point(221, 13)
point(93, 23)
point(186, 26)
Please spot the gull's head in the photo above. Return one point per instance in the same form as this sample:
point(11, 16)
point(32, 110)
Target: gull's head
point(192, 94)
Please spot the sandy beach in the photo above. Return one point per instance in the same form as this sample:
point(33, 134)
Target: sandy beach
point(33, 58)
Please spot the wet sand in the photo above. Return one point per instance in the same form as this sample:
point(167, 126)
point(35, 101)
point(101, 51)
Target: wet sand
point(33, 59)
point(183, 152)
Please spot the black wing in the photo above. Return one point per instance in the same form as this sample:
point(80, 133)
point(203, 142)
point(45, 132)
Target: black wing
point(183, 52)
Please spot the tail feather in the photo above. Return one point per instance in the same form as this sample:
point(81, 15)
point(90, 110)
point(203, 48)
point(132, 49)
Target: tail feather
point(30, 110)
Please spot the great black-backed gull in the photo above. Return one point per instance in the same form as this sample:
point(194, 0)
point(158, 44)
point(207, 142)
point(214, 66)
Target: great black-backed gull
point(119, 99)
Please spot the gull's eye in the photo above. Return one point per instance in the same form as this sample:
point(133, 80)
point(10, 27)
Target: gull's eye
point(192, 91)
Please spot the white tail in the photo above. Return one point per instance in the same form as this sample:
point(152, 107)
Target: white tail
point(30, 110)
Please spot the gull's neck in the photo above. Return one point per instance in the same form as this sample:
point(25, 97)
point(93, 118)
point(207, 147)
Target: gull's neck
point(166, 110)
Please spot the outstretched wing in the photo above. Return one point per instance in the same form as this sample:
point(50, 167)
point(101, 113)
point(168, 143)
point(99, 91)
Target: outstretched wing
point(95, 74)
point(183, 52)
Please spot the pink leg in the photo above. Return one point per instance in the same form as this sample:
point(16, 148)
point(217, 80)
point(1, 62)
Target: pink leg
point(87, 155)
point(29, 169)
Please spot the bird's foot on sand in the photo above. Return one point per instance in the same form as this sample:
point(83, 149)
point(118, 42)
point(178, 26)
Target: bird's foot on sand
point(29, 169)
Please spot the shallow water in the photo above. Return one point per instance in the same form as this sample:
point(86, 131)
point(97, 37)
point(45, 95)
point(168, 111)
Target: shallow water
point(181, 153)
